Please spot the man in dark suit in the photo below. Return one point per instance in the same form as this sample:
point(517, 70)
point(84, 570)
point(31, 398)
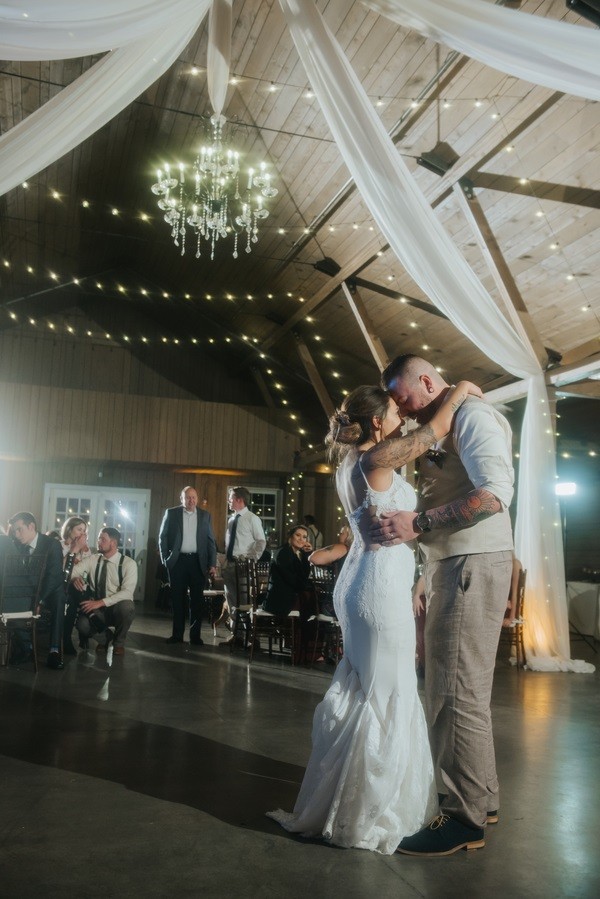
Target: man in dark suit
point(46, 550)
point(189, 551)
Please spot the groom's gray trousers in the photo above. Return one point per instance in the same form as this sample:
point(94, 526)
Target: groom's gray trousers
point(466, 601)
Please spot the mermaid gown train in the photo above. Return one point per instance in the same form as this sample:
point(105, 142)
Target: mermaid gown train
point(369, 780)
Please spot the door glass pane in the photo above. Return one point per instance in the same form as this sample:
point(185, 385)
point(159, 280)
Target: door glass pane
point(123, 516)
point(66, 507)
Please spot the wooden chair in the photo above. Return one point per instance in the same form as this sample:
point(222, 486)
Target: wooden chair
point(512, 632)
point(242, 619)
point(20, 584)
point(281, 629)
point(328, 637)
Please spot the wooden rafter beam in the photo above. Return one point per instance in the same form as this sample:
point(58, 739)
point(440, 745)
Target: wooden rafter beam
point(589, 389)
point(264, 390)
point(327, 291)
point(313, 373)
point(502, 275)
point(540, 190)
point(359, 310)
point(394, 295)
point(581, 352)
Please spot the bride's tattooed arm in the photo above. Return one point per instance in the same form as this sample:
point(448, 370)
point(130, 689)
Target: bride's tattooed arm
point(397, 451)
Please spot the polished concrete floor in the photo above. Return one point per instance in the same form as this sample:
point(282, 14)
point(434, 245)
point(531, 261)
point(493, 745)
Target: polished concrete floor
point(151, 776)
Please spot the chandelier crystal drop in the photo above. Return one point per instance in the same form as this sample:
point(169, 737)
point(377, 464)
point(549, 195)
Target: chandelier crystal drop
point(209, 201)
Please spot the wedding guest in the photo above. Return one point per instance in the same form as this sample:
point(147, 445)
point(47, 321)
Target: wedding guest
point(189, 552)
point(23, 529)
point(74, 541)
point(289, 575)
point(314, 534)
point(108, 579)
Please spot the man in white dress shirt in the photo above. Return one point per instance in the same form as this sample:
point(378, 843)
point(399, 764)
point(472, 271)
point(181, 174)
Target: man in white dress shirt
point(244, 539)
point(109, 578)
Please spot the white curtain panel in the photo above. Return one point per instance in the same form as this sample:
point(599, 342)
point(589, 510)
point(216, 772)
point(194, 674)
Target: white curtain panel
point(555, 54)
point(218, 53)
point(92, 100)
point(62, 29)
point(433, 261)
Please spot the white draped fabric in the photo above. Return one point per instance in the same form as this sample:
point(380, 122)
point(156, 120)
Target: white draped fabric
point(219, 53)
point(149, 34)
point(558, 55)
point(93, 99)
point(62, 29)
point(433, 261)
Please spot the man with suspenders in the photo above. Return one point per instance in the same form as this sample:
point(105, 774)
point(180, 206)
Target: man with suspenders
point(108, 579)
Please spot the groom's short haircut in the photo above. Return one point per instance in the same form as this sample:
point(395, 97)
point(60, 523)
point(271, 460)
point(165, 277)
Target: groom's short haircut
point(400, 367)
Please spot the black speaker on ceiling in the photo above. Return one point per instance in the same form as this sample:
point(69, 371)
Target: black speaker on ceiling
point(328, 266)
point(587, 9)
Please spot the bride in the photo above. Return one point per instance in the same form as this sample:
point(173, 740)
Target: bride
point(369, 780)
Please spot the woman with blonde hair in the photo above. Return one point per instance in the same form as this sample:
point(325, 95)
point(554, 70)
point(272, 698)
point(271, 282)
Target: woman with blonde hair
point(74, 539)
point(369, 780)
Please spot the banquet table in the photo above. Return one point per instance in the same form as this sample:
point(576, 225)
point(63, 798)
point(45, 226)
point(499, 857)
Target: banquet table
point(584, 607)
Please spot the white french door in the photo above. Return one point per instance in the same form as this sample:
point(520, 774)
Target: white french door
point(101, 507)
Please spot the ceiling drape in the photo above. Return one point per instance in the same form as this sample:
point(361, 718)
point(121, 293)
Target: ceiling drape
point(558, 55)
point(96, 97)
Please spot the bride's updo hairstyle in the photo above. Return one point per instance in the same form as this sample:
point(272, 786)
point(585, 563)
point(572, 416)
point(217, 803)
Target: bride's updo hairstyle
point(352, 424)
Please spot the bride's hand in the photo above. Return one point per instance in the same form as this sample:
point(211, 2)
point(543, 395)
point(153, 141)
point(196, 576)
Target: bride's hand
point(472, 389)
point(451, 404)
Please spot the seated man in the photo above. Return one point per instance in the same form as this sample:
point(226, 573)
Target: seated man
point(43, 550)
point(108, 578)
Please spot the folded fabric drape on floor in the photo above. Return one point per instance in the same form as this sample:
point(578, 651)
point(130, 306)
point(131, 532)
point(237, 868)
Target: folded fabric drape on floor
point(435, 264)
point(555, 54)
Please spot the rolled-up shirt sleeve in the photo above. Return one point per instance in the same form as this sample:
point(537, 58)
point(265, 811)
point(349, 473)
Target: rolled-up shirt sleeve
point(483, 441)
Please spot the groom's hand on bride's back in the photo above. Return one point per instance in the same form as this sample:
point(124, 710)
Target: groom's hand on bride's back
point(393, 528)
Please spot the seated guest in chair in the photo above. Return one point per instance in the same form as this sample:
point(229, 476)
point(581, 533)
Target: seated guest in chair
point(108, 580)
point(23, 529)
point(289, 573)
point(74, 540)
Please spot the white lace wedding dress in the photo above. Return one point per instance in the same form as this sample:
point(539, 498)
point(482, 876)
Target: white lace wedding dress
point(369, 780)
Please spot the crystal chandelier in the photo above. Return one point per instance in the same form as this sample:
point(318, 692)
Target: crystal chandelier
point(209, 200)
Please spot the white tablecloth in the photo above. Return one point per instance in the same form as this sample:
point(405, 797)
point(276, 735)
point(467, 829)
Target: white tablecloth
point(584, 607)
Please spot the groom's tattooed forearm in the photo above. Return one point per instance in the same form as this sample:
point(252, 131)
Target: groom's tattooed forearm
point(397, 451)
point(465, 511)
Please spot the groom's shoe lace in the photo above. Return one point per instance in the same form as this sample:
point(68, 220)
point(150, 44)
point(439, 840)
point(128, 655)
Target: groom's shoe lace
point(439, 821)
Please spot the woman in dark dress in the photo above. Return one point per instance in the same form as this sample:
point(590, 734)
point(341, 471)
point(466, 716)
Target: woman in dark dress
point(289, 576)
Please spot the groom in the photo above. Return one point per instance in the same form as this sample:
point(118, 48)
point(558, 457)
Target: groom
point(464, 531)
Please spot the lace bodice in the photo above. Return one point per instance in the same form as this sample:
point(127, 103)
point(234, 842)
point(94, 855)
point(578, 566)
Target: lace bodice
point(361, 502)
